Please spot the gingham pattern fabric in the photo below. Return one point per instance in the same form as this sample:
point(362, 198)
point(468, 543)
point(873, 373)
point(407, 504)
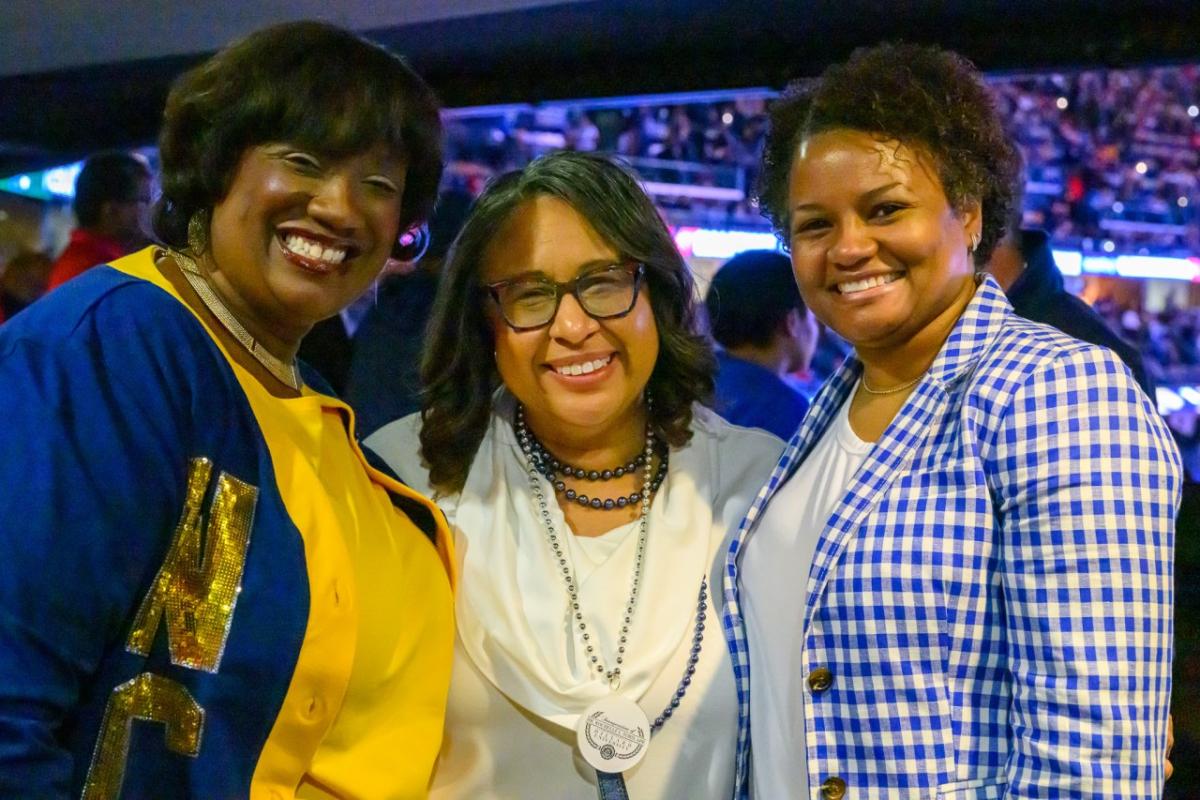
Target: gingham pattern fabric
point(993, 594)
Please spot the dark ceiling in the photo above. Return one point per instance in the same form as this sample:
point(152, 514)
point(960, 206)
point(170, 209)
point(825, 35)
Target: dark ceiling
point(620, 47)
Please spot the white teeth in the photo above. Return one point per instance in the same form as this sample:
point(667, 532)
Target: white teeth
point(584, 368)
point(850, 287)
point(310, 249)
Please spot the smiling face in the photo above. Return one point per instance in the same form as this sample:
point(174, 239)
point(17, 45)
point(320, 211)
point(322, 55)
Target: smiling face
point(298, 236)
point(578, 377)
point(879, 254)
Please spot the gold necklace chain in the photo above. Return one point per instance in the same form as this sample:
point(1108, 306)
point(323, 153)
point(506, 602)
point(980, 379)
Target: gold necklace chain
point(287, 373)
point(892, 390)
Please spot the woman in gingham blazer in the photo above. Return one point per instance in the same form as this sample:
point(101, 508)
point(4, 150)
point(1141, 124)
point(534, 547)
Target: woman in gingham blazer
point(983, 507)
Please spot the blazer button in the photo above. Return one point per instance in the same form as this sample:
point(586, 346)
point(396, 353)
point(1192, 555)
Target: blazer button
point(819, 680)
point(833, 788)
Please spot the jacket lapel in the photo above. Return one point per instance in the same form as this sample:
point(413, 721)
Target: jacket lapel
point(975, 331)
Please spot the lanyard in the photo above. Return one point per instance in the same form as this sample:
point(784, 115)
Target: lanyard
point(611, 786)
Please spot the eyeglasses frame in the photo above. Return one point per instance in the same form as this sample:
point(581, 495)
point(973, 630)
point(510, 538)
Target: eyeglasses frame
point(562, 288)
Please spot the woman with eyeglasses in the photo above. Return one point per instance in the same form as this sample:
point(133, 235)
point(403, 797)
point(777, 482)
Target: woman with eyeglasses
point(588, 492)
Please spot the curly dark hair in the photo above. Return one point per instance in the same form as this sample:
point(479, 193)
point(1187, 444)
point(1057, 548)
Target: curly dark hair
point(927, 98)
point(307, 83)
point(458, 370)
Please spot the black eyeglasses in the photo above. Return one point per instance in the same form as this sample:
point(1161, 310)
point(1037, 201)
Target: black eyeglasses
point(529, 302)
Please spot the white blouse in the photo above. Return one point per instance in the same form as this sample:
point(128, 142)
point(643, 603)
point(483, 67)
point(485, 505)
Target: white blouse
point(521, 677)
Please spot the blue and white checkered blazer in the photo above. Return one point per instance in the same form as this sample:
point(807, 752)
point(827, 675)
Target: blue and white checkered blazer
point(993, 593)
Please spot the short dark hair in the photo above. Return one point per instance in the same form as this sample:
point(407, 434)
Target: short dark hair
point(927, 98)
point(113, 176)
point(458, 369)
point(307, 83)
point(750, 297)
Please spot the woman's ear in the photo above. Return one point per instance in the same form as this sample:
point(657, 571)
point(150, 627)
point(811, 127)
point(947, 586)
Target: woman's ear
point(971, 217)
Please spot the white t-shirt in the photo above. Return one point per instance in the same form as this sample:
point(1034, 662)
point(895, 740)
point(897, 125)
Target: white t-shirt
point(774, 581)
point(521, 678)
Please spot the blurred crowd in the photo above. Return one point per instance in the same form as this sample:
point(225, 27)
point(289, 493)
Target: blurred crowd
point(1112, 155)
point(1168, 340)
point(1112, 166)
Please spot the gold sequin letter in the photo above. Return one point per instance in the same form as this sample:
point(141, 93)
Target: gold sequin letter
point(198, 590)
point(152, 698)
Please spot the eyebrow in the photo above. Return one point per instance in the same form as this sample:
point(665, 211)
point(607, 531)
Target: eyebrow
point(873, 193)
point(585, 266)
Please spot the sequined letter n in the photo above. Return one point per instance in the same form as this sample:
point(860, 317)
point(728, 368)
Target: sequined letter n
point(197, 590)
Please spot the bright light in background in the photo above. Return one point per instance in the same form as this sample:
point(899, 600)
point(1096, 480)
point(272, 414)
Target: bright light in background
point(1109, 245)
point(1180, 269)
point(1099, 265)
point(1140, 167)
point(1118, 207)
point(24, 182)
point(1168, 401)
point(721, 244)
point(1189, 394)
point(1070, 262)
point(709, 243)
point(727, 118)
point(1062, 103)
point(1194, 111)
point(1183, 202)
point(61, 180)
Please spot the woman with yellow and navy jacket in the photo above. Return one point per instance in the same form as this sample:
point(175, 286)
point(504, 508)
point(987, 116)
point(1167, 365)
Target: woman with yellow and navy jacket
point(205, 590)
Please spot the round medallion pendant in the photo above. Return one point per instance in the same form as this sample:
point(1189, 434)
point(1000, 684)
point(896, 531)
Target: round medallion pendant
point(613, 734)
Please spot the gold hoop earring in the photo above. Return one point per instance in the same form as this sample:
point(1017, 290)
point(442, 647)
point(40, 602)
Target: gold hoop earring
point(197, 232)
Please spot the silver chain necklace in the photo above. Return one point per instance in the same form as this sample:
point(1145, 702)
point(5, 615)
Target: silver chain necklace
point(614, 675)
point(287, 373)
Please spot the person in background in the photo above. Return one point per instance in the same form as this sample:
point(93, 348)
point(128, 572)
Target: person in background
point(765, 333)
point(383, 376)
point(958, 581)
point(113, 194)
point(22, 281)
point(206, 591)
point(1023, 265)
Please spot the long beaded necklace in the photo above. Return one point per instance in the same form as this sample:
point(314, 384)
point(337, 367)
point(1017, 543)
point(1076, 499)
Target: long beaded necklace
point(287, 373)
point(525, 440)
point(613, 715)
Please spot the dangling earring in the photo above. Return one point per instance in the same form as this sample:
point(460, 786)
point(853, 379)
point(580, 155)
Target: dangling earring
point(197, 232)
point(411, 244)
point(974, 242)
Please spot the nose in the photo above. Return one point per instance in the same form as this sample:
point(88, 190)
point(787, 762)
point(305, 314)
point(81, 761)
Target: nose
point(853, 245)
point(571, 323)
point(335, 203)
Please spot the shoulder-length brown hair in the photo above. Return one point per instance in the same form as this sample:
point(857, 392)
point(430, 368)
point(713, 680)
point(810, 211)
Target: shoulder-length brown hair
point(458, 369)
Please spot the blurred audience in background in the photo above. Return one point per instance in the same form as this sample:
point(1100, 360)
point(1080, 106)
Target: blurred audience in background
point(765, 334)
point(1113, 155)
point(113, 194)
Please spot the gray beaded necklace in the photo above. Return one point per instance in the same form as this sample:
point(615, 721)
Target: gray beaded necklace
point(535, 484)
point(614, 675)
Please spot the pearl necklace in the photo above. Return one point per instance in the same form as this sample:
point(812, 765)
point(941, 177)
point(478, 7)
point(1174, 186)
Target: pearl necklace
point(551, 467)
point(543, 503)
point(287, 374)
